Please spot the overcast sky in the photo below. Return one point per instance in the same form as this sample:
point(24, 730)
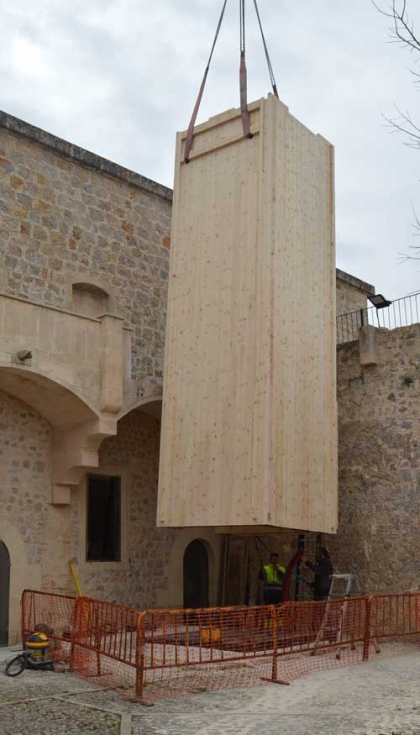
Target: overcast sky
point(119, 77)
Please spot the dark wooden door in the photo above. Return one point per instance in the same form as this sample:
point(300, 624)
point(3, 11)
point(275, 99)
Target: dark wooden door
point(4, 594)
point(236, 571)
point(196, 575)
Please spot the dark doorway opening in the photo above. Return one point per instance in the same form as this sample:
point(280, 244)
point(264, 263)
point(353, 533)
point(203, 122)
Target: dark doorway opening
point(196, 575)
point(4, 594)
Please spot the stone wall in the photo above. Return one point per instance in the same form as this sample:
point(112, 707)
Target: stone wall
point(41, 538)
point(35, 533)
point(134, 452)
point(66, 215)
point(351, 293)
point(69, 217)
point(379, 462)
point(25, 480)
point(25, 472)
point(151, 570)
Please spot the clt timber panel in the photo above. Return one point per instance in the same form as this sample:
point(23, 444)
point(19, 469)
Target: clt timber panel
point(249, 410)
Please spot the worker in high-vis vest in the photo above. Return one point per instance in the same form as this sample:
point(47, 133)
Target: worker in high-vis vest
point(272, 577)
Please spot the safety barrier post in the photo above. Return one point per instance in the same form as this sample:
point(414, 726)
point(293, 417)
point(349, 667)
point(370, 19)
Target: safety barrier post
point(74, 628)
point(366, 639)
point(98, 640)
point(140, 661)
point(275, 620)
point(25, 594)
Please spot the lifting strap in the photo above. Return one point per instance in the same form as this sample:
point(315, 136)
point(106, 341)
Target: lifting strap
point(267, 55)
point(242, 74)
point(243, 84)
point(190, 133)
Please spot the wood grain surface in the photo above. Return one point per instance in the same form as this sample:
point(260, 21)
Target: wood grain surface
point(249, 410)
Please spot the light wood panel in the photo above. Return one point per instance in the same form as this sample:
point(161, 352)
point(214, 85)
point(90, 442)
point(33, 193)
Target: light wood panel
point(249, 409)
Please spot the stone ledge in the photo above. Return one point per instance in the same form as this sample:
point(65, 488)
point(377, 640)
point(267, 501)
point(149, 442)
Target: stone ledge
point(53, 307)
point(86, 158)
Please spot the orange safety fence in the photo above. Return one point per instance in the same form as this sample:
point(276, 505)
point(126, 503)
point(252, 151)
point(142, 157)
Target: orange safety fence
point(105, 643)
point(195, 650)
point(163, 653)
point(51, 614)
point(395, 615)
point(322, 635)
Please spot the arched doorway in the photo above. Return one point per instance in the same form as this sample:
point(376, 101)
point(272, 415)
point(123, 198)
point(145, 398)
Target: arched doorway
point(4, 594)
point(196, 575)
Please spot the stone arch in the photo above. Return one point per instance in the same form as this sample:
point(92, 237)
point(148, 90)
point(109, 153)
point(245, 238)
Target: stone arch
point(22, 575)
point(152, 405)
point(50, 397)
point(172, 595)
point(78, 429)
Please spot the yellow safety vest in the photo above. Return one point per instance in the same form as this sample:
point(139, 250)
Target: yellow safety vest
point(272, 576)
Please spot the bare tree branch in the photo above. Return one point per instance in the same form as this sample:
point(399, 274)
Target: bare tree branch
point(402, 29)
point(404, 124)
point(402, 32)
point(414, 253)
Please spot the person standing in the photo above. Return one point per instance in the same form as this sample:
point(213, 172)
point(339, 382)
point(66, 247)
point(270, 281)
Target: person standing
point(323, 571)
point(272, 577)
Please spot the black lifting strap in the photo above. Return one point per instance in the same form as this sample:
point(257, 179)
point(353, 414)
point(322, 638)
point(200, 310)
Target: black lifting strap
point(242, 75)
point(267, 55)
point(190, 133)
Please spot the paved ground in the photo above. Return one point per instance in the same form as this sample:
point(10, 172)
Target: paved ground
point(378, 698)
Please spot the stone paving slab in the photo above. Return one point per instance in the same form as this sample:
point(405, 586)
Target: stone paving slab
point(378, 698)
point(267, 724)
point(56, 717)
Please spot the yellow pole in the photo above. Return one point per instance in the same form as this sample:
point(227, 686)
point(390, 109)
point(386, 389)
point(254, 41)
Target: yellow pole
point(76, 578)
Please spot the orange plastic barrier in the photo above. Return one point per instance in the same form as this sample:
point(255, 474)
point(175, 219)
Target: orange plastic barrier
point(194, 650)
point(105, 644)
point(163, 653)
point(52, 614)
point(395, 615)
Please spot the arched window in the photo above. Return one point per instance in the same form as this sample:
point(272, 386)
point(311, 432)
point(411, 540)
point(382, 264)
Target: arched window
point(90, 300)
point(196, 575)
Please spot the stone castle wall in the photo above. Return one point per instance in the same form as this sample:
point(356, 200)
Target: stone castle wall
point(25, 472)
point(67, 216)
point(25, 476)
point(134, 453)
point(63, 220)
point(379, 462)
point(42, 538)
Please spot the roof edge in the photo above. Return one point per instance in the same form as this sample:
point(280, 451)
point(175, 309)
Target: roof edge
point(355, 282)
point(86, 158)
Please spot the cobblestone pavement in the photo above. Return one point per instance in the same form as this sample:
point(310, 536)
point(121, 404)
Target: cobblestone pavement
point(378, 698)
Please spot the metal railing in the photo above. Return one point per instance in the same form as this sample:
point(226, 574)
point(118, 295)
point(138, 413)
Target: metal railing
point(400, 313)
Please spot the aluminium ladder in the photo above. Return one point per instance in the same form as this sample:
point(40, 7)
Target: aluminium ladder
point(329, 622)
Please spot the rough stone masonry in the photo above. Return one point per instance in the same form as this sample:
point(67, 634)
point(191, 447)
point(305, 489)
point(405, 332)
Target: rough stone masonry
point(68, 217)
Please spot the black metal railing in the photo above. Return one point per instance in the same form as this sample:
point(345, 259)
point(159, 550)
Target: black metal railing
point(399, 313)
